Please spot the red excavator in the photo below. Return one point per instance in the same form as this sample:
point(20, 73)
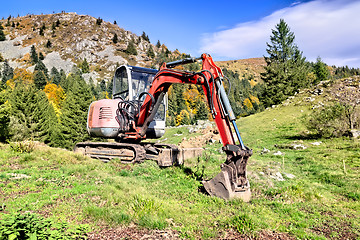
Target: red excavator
point(137, 112)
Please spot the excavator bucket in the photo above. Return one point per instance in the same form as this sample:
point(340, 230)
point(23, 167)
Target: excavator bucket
point(231, 182)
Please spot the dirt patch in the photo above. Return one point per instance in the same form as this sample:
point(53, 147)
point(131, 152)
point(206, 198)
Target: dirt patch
point(262, 235)
point(341, 230)
point(208, 135)
point(132, 233)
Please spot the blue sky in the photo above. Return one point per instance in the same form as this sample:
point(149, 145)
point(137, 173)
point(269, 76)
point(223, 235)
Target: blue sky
point(232, 29)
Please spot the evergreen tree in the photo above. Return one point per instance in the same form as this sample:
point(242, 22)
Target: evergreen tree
point(24, 118)
point(40, 66)
point(48, 123)
point(115, 22)
point(4, 117)
point(1, 59)
point(150, 53)
point(57, 24)
point(99, 21)
point(41, 56)
point(321, 71)
point(74, 112)
point(145, 37)
point(55, 76)
point(115, 38)
point(110, 88)
point(286, 69)
point(40, 80)
point(7, 73)
point(131, 49)
point(2, 35)
point(48, 44)
point(158, 44)
point(33, 55)
point(1, 26)
point(84, 66)
point(103, 85)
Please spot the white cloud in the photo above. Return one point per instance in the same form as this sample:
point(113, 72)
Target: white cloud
point(326, 28)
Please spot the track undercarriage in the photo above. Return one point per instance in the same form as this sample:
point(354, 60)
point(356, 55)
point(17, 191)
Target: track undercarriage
point(164, 154)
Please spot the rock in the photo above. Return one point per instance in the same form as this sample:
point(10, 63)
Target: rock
point(298, 147)
point(278, 176)
point(278, 153)
point(316, 143)
point(17, 175)
point(355, 133)
point(289, 175)
point(265, 150)
point(211, 141)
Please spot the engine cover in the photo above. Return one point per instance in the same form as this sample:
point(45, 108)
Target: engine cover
point(101, 121)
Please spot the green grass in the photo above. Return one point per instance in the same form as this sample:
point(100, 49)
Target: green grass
point(321, 202)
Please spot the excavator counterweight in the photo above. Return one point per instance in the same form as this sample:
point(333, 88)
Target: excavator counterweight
point(137, 112)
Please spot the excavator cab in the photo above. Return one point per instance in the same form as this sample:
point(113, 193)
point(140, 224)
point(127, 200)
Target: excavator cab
point(129, 83)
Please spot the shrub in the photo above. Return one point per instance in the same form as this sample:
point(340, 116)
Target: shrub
point(329, 121)
point(23, 146)
point(31, 226)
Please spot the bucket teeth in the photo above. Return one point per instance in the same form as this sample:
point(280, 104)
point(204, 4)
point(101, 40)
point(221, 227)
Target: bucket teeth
point(220, 186)
point(231, 182)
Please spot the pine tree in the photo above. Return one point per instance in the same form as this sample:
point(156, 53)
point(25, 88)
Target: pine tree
point(2, 35)
point(55, 76)
point(33, 55)
point(145, 37)
point(84, 66)
point(4, 117)
point(321, 71)
point(286, 68)
point(158, 44)
point(74, 112)
point(48, 44)
point(40, 80)
point(41, 56)
point(48, 123)
point(99, 21)
point(40, 66)
point(131, 49)
point(115, 38)
point(150, 53)
point(24, 113)
point(7, 73)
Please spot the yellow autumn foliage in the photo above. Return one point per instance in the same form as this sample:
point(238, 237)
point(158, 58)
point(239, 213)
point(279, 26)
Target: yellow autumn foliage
point(192, 97)
point(20, 75)
point(183, 118)
point(254, 99)
point(55, 94)
point(247, 103)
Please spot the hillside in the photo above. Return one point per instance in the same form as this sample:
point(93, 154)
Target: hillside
point(73, 38)
point(303, 187)
point(247, 68)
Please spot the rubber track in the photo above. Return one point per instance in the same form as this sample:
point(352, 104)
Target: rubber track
point(139, 151)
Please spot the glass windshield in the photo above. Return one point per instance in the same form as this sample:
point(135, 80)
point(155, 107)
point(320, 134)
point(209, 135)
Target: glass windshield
point(121, 86)
point(140, 83)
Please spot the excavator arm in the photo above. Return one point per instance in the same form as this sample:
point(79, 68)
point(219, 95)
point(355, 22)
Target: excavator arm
point(231, 182)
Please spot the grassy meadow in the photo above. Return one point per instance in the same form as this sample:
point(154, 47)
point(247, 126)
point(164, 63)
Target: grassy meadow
point(309, 193)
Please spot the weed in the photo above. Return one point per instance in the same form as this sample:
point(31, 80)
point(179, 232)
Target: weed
point(25, 146)
point(142, 206)
point(31, 226)
point(242, 223)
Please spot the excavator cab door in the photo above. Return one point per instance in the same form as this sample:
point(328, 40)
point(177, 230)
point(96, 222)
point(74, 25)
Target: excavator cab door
point(129, 82)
